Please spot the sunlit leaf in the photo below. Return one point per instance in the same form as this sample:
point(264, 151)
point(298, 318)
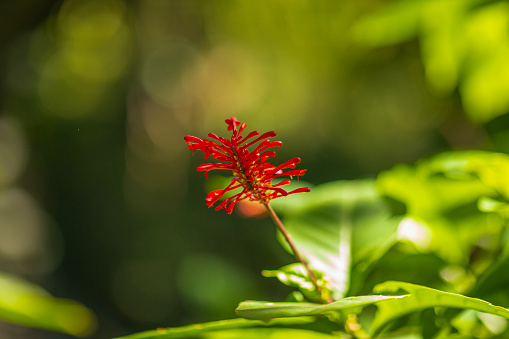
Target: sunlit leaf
point(422, 297)
point(485, 90)
point(486, 204)
point(26, 304)
point(269, 333)
point(263, 310)
point(339, 225)
point(207, 330)
point(464, 44)
point(394, 23)
point(444, 193)
point(295, 275)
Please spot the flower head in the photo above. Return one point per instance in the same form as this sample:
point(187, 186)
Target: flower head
point(251, 169)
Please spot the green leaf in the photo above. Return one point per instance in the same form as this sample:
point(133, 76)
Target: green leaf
point(26, 304)
point(420, 298)
point(444, 193)
point(494, 283)
point(395, 23)
point(322, 225)
point(269, 333)
point(296, 275)
point(291, 275)
point(207, 330)
point(486, 204)
point(464, 44)
point(263, 310)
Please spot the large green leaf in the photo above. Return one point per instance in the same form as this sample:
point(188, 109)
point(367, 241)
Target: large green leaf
point(263, 310)
point(221, 329)
point(26, 304)
point(420, 298)
point(338, 225)
point(268, 333)
point(390, 308)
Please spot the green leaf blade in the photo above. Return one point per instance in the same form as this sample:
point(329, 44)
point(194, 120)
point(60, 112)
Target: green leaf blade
point(208, 330)
point(263, 310)
point(322, 222)
point(269, 333)
point(27, 304)
point(422, 297)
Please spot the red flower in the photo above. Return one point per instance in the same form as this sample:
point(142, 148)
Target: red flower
point(253, 173)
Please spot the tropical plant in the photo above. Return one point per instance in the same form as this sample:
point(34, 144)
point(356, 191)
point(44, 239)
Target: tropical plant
point(419, 252)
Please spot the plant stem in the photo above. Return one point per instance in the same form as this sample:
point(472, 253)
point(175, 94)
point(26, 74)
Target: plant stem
point(295, 251)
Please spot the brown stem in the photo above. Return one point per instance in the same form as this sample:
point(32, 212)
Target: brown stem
point(295, 252)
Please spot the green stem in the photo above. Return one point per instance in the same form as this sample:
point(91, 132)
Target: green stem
point(294, 249)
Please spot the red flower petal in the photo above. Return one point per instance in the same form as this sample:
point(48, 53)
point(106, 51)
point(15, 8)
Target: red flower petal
point(251, 169)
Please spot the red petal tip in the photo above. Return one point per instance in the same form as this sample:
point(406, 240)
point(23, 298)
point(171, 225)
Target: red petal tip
point(190, 138)
point(232, 123)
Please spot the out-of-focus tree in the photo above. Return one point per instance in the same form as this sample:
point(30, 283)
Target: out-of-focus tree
point(464, 45)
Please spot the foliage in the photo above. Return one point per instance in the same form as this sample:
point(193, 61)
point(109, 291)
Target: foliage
point(463, 43)
point(27, 304)
point(337, 251)
point(116, 184)
point(216, 327)
point(440, 225)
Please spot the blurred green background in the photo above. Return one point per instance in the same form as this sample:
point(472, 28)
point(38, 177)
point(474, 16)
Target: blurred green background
point(99, 199)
